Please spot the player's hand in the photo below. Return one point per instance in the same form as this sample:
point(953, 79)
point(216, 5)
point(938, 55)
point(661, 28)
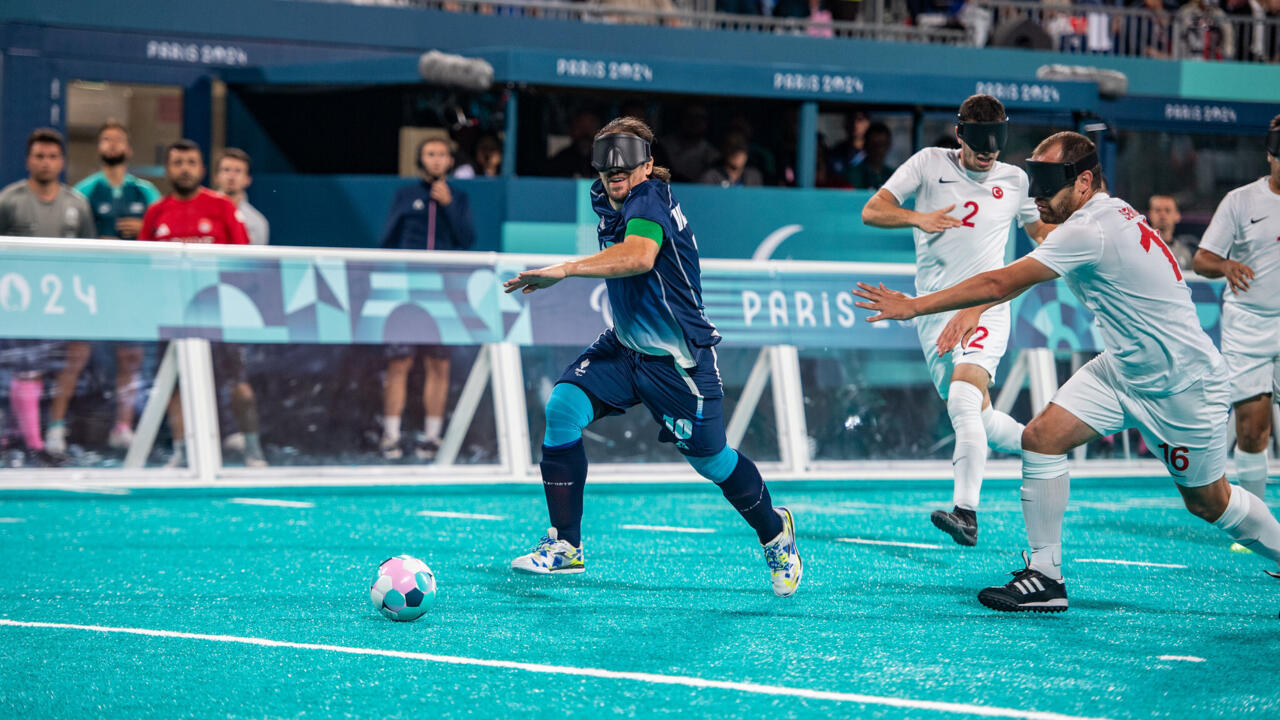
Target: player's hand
point(531, 280)
point(889, 304)
point(128, 228)
point(440, 192)
point(958, 330)
point(938, 220)
point(1238, 275)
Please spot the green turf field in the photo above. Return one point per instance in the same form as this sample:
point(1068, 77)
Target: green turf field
point(661, 624)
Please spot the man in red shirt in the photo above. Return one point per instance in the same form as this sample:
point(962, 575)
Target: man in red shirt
point(191, 213)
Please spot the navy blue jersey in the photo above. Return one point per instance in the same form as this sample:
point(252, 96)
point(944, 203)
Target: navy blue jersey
point(659, 312)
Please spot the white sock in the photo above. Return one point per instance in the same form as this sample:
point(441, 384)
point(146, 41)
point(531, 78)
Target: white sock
point(1248, 520)
point(1045, 486)
point(1003, 432)
point(433, 427)
point(1251, 471)
point(964, 405)
point(391, 426)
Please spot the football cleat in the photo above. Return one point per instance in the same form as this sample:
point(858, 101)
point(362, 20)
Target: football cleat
point(1238, 548)
point(55, 439)
point(783, 557)
point(390, 448)
point(426, 448)
point(1028, 591)
point(961, 524)
point(551, 556)
point(121, 437)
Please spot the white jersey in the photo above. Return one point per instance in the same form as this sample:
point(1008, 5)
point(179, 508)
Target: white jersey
point(1246, 228)
point(985, 203)
point(1118, 266)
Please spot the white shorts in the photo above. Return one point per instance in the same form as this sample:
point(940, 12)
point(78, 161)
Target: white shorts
point(1251, 347)
point(1187, 431)
point(985, 348)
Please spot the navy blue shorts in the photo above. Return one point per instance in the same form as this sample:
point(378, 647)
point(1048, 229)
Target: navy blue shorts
point(687, 404)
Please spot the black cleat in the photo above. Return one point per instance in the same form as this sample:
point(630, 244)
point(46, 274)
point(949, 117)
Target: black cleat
point(1029, 591)
point(960, 524)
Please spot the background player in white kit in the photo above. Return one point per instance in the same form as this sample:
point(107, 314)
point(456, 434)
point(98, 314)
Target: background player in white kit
point(1159, 372)
point(1243, 243)
point(965, 203)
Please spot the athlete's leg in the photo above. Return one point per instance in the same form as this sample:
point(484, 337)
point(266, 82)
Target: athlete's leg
point(1046, 483)
point(1241, 514)
point(564, 460)
point(435, 392)
point(394, 387)
point(128, 362)
point(77, 356)
point(966, 396)
point(1253, 434)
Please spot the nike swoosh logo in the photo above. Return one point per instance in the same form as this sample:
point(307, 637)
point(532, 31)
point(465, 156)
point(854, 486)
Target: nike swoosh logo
point(1254, 222)
point(946, 181)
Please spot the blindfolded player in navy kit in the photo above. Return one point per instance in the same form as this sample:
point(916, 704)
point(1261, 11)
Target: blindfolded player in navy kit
point(659, 352)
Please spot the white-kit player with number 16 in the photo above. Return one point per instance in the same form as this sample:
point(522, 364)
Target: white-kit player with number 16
point(1243, 243)
point(965, 203)
point(1159, 372)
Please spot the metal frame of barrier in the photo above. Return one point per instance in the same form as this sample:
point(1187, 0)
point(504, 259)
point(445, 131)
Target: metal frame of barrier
point(187, 367)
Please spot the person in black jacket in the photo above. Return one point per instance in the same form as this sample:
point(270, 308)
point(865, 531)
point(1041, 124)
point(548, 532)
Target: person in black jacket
point(427, 215)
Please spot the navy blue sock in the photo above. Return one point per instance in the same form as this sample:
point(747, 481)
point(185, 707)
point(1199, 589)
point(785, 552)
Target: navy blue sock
point(564, 475)
point(745, 490)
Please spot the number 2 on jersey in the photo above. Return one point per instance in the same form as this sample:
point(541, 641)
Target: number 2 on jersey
point(973, 210)
point(1149, 236)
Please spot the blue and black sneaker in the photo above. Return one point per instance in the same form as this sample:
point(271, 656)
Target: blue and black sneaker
point(551, 556)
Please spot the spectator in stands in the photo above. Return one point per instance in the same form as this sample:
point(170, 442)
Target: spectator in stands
point(1162, 212)
point(40, 206)
point(575, 160)
point(873, 171)
point(1151, 34)
point(822, 175)
point(487, 162)
point(231, 177)
point(427, 215)
point(732, 170)
point(650, 6)
point(195, 214)
point(118, 201)
point(1206, 31)
point(688, 151)
point(849, 152)
point(819, 20)
point(738, 7)
point(758, 156)
point(791, 9)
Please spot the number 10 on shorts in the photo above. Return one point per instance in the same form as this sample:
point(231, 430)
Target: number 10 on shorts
point(682, 428)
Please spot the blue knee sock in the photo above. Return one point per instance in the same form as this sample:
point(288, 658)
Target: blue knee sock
point(564, 475)
point(745, 490)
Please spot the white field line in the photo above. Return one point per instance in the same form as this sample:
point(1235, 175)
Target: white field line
point(1182, 658)
point(893, 543)
point(267, 502)
point(1104, 561)
point(667, 528)
point(459, 515)
point(653, 679)
point(8, 521)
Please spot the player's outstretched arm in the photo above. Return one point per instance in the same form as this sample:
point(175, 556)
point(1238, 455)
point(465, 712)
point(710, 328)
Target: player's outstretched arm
point(1212, 265)
point(633, 256)
point(883, 211)
point(995, 286)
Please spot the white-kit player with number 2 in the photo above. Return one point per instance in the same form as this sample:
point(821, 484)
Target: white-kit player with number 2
point(1159, 371)
point(1243, 243)
point(965, 203)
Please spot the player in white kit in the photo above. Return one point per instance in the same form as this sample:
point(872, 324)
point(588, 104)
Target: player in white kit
point(1159, 371)
point(965, 202)
point(1243, 243)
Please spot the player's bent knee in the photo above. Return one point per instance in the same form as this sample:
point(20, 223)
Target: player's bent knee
point(964, 398)
point(568, 411)
point(716, 468)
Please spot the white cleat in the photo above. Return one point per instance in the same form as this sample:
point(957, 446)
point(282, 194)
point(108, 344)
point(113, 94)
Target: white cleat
point(551, 556)
point(783, 557)
point(55, 439)
point(121, 437)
